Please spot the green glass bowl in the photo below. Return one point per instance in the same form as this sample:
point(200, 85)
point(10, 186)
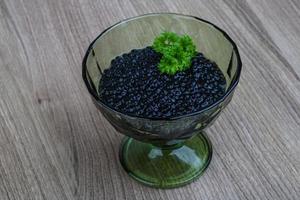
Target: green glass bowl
point(162, 152)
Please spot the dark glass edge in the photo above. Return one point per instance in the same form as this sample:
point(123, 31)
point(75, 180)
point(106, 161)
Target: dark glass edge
point(229, 68)
point(228, 92)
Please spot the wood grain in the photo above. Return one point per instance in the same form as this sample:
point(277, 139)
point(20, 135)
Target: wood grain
point(54, 144)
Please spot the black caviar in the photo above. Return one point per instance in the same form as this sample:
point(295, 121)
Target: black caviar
point(134, 85)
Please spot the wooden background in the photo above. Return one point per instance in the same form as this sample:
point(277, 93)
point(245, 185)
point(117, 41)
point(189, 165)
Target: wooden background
point(54, 144)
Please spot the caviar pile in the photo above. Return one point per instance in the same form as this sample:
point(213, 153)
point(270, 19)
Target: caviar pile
point(134, 85)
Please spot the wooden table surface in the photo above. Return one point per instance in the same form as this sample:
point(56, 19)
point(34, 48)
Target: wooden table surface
point(54, 144)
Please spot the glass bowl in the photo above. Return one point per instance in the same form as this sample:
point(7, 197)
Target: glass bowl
point(163, 152)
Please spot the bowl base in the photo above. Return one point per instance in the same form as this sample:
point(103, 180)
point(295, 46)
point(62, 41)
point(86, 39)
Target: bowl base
point(166, 167)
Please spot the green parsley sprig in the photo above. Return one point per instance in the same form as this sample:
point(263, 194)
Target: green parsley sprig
point(177, 52)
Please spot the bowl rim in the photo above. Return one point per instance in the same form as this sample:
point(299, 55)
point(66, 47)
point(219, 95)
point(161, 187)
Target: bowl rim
point(227, 93)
